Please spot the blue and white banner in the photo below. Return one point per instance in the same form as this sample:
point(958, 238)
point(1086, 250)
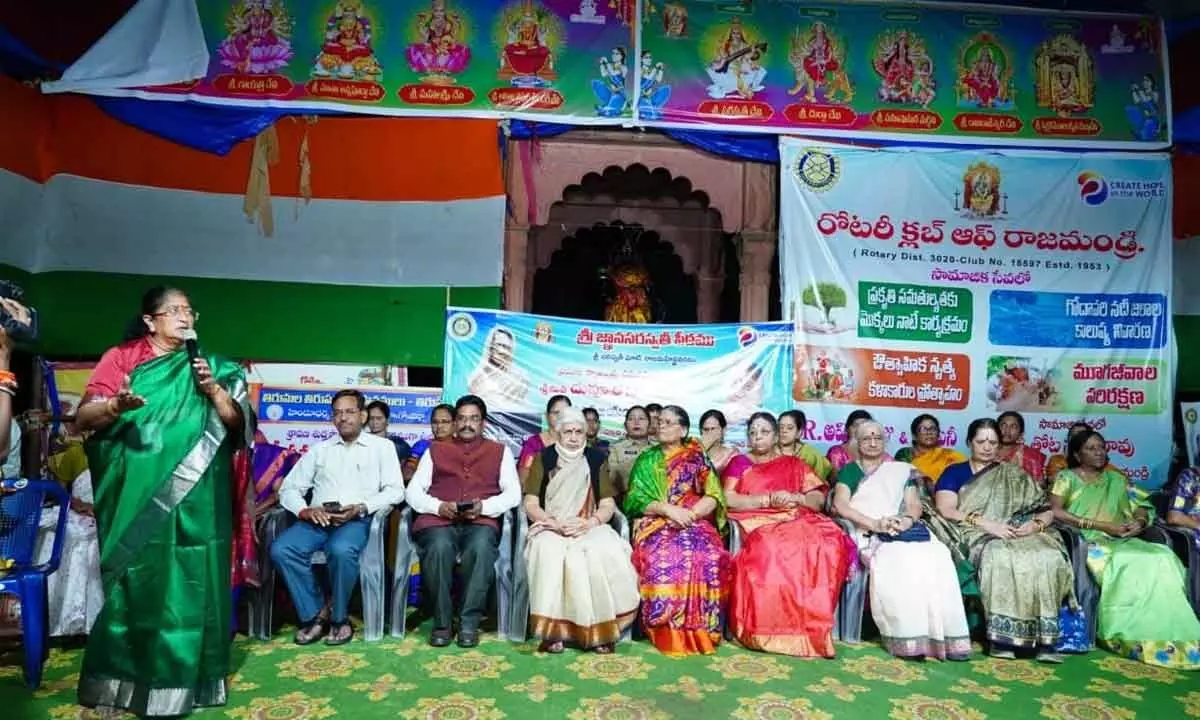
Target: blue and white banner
point(516, 362)
point(968, 283)
point(297, 416)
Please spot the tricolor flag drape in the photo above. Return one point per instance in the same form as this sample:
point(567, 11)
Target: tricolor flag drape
point(359, 225)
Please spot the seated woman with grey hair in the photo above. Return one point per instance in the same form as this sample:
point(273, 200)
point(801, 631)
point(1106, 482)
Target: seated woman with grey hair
point(583, 589)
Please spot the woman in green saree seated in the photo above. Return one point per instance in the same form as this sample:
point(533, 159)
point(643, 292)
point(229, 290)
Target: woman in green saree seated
point(1144, 611)
point(994, 519)
point(164, 431)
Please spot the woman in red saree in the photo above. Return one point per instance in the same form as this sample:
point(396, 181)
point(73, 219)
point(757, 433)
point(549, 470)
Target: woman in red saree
point(683, 568)
point(789, 573)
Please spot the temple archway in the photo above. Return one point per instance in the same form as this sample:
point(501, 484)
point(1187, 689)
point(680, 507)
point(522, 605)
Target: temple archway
point(556, 189)
point(667, 224)
point(576, 283)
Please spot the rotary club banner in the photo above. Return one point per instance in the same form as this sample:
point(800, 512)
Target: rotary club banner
point(1190, 412)
point(967, 284)
point(516, 362)
point(569, 58)
point(996, 76)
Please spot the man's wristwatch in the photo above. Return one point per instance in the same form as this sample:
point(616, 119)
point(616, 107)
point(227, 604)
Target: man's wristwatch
point(362, 510)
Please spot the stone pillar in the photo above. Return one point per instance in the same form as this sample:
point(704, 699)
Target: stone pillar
point(758, 239)
point(757, 252)
point(516, 267)
point(708, 297)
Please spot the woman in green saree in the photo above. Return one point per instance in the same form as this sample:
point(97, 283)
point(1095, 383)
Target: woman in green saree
point(1144, 611)
point(164, 430)
point(993, 518)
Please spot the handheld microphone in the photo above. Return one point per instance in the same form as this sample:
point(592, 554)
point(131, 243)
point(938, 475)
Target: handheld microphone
point(193, 352)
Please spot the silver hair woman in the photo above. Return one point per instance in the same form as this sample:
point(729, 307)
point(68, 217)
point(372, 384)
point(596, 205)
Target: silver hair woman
point(583, 589)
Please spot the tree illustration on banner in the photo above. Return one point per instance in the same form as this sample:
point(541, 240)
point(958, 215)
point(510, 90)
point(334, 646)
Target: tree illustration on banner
point(826, 297)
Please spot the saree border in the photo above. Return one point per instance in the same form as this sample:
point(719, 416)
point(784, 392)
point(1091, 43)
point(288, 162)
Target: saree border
point(136, 698)
point(184, 479)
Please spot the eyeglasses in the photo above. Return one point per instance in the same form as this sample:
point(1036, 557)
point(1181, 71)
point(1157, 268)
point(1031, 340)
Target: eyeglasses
point(927, 429)
point(178, 311)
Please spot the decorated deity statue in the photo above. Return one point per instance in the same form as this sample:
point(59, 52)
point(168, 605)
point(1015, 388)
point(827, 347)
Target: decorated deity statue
point(259, 39)
point(527, 53)
point(439, 53)
point(347, 52)
point(631, 302)
point(737, 68)
point(981, 189)
point(675, 20)
point(818, 64)
point(1064, 76)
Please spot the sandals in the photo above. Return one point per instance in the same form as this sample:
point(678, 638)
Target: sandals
point(554, 647)
point(340, 634)
point(311, 631)
point(605, 649)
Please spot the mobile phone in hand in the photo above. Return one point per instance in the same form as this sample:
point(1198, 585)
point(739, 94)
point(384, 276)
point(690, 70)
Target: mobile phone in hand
point(334, 508)
point(464, 507)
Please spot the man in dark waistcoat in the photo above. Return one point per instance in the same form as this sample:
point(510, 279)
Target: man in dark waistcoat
point(460, 492)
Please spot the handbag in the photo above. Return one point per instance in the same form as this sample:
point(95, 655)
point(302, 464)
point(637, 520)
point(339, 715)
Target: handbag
point(919, 532)
point(1073, 631)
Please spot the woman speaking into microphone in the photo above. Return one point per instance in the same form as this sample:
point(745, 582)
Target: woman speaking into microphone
point(164, 428)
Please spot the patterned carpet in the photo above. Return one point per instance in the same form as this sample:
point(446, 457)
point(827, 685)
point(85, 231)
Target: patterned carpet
point(408, 679)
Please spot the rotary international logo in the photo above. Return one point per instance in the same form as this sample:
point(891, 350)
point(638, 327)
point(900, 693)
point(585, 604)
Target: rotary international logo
point(818, 170)
point(461, 326)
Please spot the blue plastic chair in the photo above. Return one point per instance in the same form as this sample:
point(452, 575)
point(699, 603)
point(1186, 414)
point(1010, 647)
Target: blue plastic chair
point(20, 516)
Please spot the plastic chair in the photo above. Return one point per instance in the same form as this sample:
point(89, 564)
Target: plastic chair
point(1183, 541)
point(848, 615)
point(406, 555)
point(518, 623)
point(370, 575)
point(20, 516)
point(1087, 592)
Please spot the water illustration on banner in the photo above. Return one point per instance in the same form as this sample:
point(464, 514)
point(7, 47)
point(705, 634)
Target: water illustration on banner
point(516, 362)
point(966, 284)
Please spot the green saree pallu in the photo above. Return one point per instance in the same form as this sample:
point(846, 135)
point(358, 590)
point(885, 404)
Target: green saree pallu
point(1144, 612)
point(163, 500)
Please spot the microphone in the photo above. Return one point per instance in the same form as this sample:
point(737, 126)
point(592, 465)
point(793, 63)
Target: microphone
point(189, 342)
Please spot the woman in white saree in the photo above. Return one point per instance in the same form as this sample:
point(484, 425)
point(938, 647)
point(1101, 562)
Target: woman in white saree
point(915, 597)
point(583, 588)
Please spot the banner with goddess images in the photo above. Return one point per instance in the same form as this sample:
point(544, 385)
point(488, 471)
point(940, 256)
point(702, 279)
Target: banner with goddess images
point(965, 284)
point(549, 59)
point(895, 71)
point(516, 362)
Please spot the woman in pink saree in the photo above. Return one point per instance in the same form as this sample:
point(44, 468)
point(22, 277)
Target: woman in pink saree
point(789, 573)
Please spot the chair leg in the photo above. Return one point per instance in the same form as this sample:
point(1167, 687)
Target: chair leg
point(34, 627)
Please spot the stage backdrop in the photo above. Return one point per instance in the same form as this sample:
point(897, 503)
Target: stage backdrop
point(560, 59)
point(981, 75)
point(516, 362)
point(965, 283)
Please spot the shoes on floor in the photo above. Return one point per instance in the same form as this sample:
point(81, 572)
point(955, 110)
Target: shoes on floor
point(468, 638)
point(440, 638)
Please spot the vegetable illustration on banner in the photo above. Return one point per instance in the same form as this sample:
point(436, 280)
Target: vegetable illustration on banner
point(971, 284)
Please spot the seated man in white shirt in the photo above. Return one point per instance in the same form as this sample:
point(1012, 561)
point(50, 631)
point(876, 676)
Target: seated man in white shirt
point(460, 491)
point(351, 475)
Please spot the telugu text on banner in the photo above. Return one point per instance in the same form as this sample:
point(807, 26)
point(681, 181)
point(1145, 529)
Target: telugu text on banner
point(965, 284)
point(517, 362)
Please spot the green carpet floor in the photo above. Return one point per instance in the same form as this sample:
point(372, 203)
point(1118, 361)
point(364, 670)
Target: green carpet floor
point(408, 679)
